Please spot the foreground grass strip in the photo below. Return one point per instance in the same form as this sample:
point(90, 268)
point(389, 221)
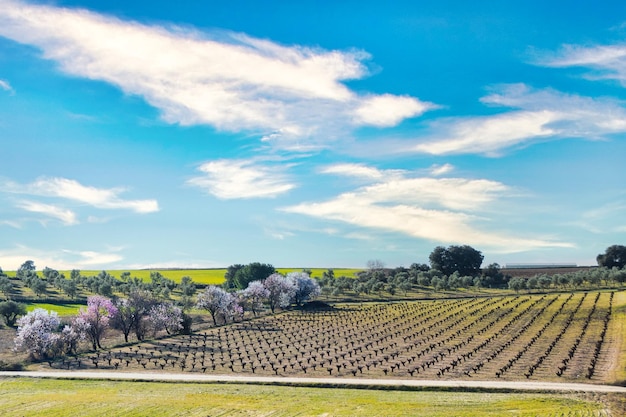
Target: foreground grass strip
point(34, 397)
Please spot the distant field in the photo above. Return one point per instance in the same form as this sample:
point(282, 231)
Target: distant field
point(65, 309)
point(318, 272)
point(199, 276)
point(31, 397)
point(530, 272)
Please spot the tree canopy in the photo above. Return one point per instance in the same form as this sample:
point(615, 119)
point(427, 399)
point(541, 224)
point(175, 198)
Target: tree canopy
point(255, 271)
point(614, 255)
point(462, 259)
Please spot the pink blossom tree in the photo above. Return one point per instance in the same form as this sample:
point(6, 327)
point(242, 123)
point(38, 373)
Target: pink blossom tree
point(132, 313)
point(98, 313)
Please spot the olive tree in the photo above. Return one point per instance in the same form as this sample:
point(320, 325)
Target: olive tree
point(10, 311)
point(462, 259)
point(6, 286)
point(614, 256)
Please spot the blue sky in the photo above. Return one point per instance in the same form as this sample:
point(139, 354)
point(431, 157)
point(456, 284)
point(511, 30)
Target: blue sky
point(309, 134)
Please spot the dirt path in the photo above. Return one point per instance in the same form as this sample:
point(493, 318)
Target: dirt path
point(183, 377)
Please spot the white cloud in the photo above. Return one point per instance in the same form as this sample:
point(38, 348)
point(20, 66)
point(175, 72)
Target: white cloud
point(11, 259)
point(425, 208)
point(92, 258)
point(353, 170)
point(68, 217)
point(94, 219)
point(602, 219)
point(605, 61)
point(539, 115)
point(4, 85)
point(396, 186)
point(10, 223)
point(73, 190)
point(236, 178)
point(173, 264)
point(438, 170)
point(389, 110)
point(279, 234)
point(486, 134)
point(228, 80)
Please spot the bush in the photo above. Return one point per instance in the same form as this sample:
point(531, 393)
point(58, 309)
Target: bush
point(10, 311)
point(16, 366)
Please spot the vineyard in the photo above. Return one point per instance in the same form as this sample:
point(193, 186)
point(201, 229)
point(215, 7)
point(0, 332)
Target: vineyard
point(553, 337)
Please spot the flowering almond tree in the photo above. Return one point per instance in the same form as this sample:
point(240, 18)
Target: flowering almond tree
point(36, 333)
point(306, 287)
point(74, 333)
point(40, 334)
point(166, 316)
point(230, 308)
point(98, 313)
point(132, 313)
point(213, 300)
point(281, 291)
point(219, 302)
point(254, 296)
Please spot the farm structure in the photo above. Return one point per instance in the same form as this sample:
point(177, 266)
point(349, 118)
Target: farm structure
point(552, 337)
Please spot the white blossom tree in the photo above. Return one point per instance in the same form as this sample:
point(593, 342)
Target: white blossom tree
point(166, 316)
point(281, 291)
point(219, 302)
point(73, 334)
point(306, 287)
point(37, 333)
point(230, 308)
point(254, 296)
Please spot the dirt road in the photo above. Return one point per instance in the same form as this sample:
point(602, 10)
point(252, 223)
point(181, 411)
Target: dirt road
point(188, 377)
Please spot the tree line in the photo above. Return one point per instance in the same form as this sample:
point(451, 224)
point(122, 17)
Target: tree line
point(44, 336)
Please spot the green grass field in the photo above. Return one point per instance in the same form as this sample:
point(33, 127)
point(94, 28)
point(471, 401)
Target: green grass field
point(62, 309)
point(32, 397)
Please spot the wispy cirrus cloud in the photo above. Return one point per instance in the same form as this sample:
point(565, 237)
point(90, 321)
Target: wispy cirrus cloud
point(438, 209)
point(602, 61)
point(69, 189)
point(228, 80)
point(68, 217)
point(537, 115)
point(602, 219)
point(357, 171)
point(11, 223)
point(240, 179)
point(438, 170)
point(4, 85)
